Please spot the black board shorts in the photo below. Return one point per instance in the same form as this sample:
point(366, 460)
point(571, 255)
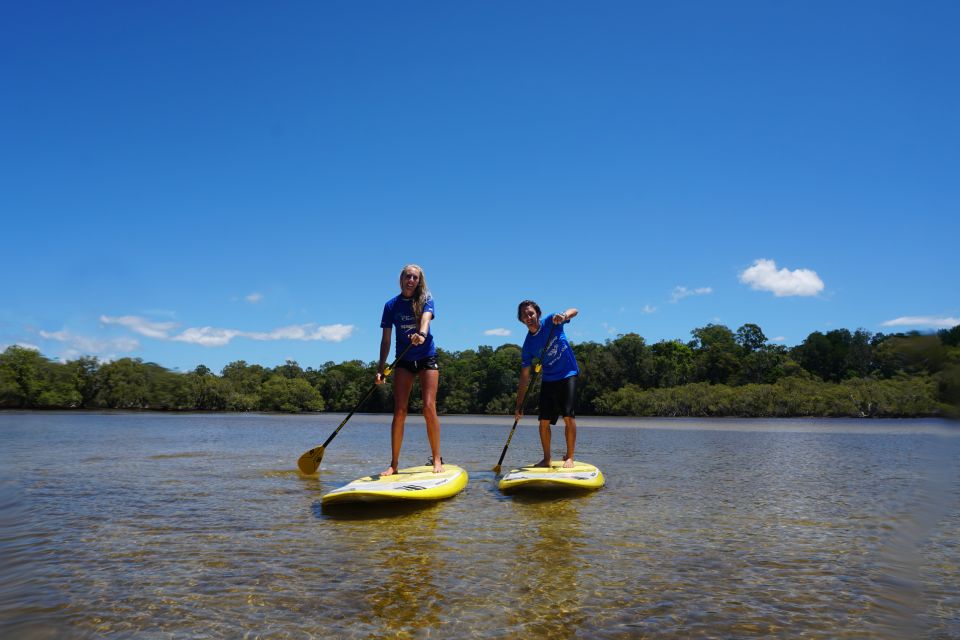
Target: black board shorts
point(557, 399)
point(415, 366)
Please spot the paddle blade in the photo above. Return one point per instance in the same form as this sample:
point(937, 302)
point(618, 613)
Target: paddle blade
point(496, 469)
point(310, 461)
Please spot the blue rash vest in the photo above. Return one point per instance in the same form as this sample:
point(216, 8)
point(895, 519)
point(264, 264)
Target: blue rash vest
point(398, 313)
point(558, 360)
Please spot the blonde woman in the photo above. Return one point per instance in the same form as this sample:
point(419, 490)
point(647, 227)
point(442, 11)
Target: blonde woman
point(410, 313)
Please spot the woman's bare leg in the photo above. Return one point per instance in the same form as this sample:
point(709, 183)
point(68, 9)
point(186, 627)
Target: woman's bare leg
point(402, 384)
point(429, 381)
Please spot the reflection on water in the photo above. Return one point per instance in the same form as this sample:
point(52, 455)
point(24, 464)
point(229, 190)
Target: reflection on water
point(197, 525)
point(404, 593)
point(548, 597)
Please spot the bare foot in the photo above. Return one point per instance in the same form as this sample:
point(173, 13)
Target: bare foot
point(568, 463)
point(389, 471)
point(437, 465)
point(543, 463)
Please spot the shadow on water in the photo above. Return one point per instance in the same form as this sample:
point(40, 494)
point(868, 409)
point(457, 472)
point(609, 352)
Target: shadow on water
point(550, 494)
point(370, 510)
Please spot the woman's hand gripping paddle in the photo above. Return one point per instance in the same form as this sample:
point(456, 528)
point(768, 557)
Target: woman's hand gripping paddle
point(310, 461)
point(533, 377)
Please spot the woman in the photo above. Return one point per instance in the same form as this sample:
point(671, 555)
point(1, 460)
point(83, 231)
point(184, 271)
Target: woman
point(559, 369)
point(411, 312)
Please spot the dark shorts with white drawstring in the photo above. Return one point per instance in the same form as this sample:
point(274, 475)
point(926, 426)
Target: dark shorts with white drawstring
point(415, 366)
point(557, 399)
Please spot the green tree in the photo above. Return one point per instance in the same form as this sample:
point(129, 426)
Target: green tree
point(342, 385)
point(836, 355)
point(716, 353)
point(122, 384)
point(84, 371)
point(910, 354)
point(245, 378)
point(460, 382)
point(859, 359)
point(672, 364)
point(498, 374)
point(764, 365)
point(750, 338)
point(207, 391)
point(167, 390)
point(599, 373)
point(290, 395)
point(948, 387)
point(243, 385)
point(633, 358)
point(21, 377)
point(289, 370)
point(58, 389)
point(950, 337)
point(815, 355)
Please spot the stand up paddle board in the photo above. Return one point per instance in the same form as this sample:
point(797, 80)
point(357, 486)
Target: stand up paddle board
point(412, 483)
point(580, 476)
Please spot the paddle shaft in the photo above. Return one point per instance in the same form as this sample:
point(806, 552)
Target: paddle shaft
point(317, 452)
point(523, 399)
point(386, 372)
point(503, 453)
point(349, 415)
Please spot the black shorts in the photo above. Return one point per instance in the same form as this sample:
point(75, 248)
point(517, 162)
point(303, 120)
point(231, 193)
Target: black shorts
point(415, 366)
point(557, 399)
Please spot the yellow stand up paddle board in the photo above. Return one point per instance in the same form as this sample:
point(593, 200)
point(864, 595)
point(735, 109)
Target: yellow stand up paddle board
point(412, 483)
point(580, 476)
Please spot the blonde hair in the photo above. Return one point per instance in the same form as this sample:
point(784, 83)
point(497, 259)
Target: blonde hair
point(421, 293)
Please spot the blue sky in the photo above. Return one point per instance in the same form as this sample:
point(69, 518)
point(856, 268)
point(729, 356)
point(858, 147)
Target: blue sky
point(198, 183)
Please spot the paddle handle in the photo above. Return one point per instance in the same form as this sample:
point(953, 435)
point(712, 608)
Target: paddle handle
point(386, 372)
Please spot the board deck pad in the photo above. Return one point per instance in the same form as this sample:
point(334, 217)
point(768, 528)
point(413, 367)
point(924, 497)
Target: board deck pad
point(581, 475)
point(412, 483)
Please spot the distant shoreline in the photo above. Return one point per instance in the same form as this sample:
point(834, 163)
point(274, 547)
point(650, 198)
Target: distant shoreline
point(717, 423)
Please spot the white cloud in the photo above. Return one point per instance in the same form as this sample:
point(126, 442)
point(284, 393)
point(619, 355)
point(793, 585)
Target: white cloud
point(206, 336)
point(648, 309)
point(217, 337)
point(76, 345)
point(497, 332)
point(214, 337)
point(307, 332)
point(610, 329)
point(253, 298)
point(922, 321)
point(679, 293)
point(778, 339)
point(60, 336)
point(141, 325)
point(763, 275)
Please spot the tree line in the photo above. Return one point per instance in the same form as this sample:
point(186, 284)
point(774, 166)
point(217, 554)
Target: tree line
point(718, 372)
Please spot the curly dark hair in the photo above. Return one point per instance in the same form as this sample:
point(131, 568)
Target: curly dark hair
point(527, 303)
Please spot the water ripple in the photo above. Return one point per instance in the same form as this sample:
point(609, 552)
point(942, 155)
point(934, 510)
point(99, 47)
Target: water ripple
point(199, 526)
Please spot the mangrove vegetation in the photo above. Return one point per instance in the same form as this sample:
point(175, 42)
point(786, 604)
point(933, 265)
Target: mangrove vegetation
point(718, 372)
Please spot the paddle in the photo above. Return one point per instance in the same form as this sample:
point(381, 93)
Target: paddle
point(523, 399)
point(310, 461)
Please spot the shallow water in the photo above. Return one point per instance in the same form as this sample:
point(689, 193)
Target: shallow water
point(154, 525)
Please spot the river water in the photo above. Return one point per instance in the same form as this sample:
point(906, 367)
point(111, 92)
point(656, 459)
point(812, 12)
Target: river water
point(156, 526)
